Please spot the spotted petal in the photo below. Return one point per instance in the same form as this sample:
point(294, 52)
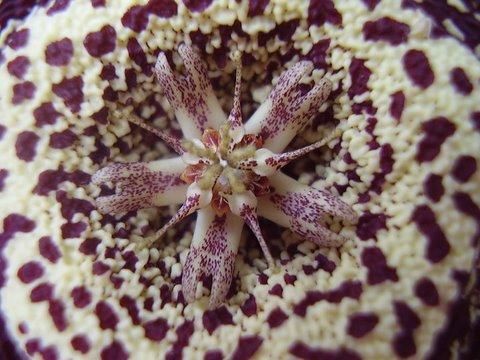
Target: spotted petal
point(191, 96)
point(287, 109)
point(141, 185)
point(235, 119)
point(212, 252)
point(302, 209)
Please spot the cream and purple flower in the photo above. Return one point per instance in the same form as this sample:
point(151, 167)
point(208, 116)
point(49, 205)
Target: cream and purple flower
point(228, 171)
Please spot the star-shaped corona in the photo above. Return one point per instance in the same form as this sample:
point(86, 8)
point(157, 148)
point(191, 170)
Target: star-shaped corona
point(228, 171)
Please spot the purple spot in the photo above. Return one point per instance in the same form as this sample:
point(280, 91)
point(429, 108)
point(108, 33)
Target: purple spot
point(56, 310)
point(360, 324)
point(286, 29)
point(276, 290)
point(433, 187)
point(136, 53)
point(475, 118)
point(32, 346)
point(376, 263)
point(101, 116)
point(59, 53)
point(183, 333)
point(276, 318)
point(427, 292)
point(303, 351)
point(386, 29)
point(162, 8)
point(58, 6)
point(23, 91)
point(81, 297)
point(404, 344)
point(371, 4)
point(49, 180)
point(80, 343)
point(131, 78)
point(437, 244)
point(30, 272)
point(256, 7)
point(70, 90)
point(49, 353)
point(322, 11)
point(136, 18)
point(156, 329)
point(213, 355)
point(406, 317)
point(290, 279)
point(247, 347)
point(107, 318)
point(72, 230)
point(397, 105)
point(360, 75)
point(369, 224)
point(17, 39)
point(464, 168)
point(197, 5)
point(26, 144)
point(45, 114)
point(465, 204)
point(460, 81)
point(89, 246)
point(72, 206)
point(131, 305)
point(99, 268)
point(98, 3)
point(3, 129)
point(436, 131)
point(108, 72)
point(101, 42)
point(18, 67)
point(212, 319)
point(48, 249)
point(114, 351)
point(318, 54)
point(418, 68)
point(62, 139)
point(41, 292)
point(3, 177)
point(249, 307)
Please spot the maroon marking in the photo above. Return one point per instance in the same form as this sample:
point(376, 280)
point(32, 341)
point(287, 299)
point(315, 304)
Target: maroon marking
point(49, 353)
point(99, 268)
point(131, 78)
point(465, 204)
point(418, 68)
point(98, 3)
point(101, 42)
point(286, 29)
point(360, 75)
point(249, 307)
point(427, 292)
point(136, 18)
point(30, 272)
point(183, 333)
point(58, 6)
point(107, 317)
point(156, 330)
point(3, 177)
point(136, 53)
point(32, 346)
point(376, 263)
point(56, 309)
point(318, 54)
point(45, 114)
point(197, 5)
point(18, 39)
point(81, 297)
point(386, 29)
point(464, 168)
point(131, 305)
point(438, 246)
point(89, 246)
point(70, 90)
point(59, 53)
point(23, 91)
point(360, 324)
point(71, 206)
point(71, 230)
point(247, 347)
point(62, 139)
point(18, 67)
point(256, 7)
point(371, 4)
point(25, 145)
point(212, 319)
point(406, 317)
point(23, 328)
point(162, 8)
point(290, 279)
point(404, 344)
point(213, 355)
point(475, 118)
point(369, 224)
point(41, 292)
point(49, 180)
point(276, 318)
point(108, 72)
point(80, 343)
point(3, 129)
point(397, 104)
point(276, 290)
point(101, 116)
point(114, 351)
point(460, 81)
point(322, 11)
point(303, 351)
point(48, 249)
point(436, 131)
point(433, 187)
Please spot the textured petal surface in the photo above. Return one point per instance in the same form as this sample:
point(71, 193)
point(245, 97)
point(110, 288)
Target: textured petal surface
point(212, 252)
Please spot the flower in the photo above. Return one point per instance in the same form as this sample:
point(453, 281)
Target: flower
point(228, 171)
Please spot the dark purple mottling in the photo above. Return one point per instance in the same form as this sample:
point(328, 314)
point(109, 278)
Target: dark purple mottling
point(464, 168)
point(26, 145)
point(386, 29)
point(436, 131)
point(59, 53)
point(433, 187)
point(418, 68)
point(101, 42)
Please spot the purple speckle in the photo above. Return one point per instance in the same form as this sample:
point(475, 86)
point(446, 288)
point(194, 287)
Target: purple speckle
point(49, 353)
point(70, 90)
point(32, 346)
point(465, 204)
point(18, 67)
point(404, 344)
point(406, 317)
point(14, 223)
point(71, 230)
point(30, 272)
point(136, 53)
point(212, 319)
point(369, 224)
point(89, 246)
point(107, 317)
point(99, 268)
point(386, 29)
point(101, 42)
point(256, 7)
point(371, 4)
point(276, 290)
point(162, 8)
point(62, 139)
point(131, 305)
point(464, 168)
point(247, 347)
point(276, 318)
point(108, 72)
point(376, 263)
point(156, 329)
point(18, 39)
point(26, 144)
point(56, 309)
point(418, 68)
point(114, 351)
point(213, 355)
point(197, 5)
point(475, 119)
point(136, 18)
point(397, 105)
point(41, 292)
point(427, 292)
point(48, 249)
point(58, 6)
point(303, 351)
point(460, 81)
point(436, 131)
point(80, 343)
point(360, 75)
point(322, 11)
point(45, 114)
point(3, 129)
point(318, 54)
point(437, 243)
point(23, 91)
point(249, 307)
point(360, 324)
point(81, 297)
point(72, 206)
point(59, 53)
point(3, 177)
point(433, 187)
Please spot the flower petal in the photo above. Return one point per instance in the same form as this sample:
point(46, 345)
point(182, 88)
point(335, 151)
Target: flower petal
point(192, 97)
point(287, 110)
point(141, 185)
point(212, 252)
point(235, 119)
point(245, 206)
point(302, 209)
